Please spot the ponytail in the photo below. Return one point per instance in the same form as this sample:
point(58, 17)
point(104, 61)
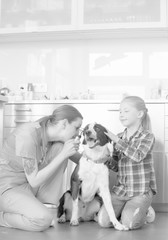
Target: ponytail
point(44, 120)
point(146, 122)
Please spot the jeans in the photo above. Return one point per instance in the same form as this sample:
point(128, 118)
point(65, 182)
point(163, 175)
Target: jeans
point(130, 210)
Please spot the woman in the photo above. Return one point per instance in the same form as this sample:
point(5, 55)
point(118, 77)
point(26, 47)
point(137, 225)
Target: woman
point(32, 163)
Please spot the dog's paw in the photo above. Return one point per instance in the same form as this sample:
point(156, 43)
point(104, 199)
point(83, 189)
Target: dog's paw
point(62, 219)
point(74, 222)
point(120, 227)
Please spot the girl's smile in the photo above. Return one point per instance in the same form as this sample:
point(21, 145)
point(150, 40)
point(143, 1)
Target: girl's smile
point(129, 115)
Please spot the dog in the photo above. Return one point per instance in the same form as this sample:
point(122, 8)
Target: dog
point(90, 181)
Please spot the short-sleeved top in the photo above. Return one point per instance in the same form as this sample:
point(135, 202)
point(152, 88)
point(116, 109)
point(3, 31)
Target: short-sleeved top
point(24, 142)
point(136, 174)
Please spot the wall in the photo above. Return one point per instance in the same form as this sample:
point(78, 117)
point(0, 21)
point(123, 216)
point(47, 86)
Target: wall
point(108, 67)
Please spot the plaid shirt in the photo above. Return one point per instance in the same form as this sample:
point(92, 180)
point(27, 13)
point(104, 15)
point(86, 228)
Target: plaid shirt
point(136, 173)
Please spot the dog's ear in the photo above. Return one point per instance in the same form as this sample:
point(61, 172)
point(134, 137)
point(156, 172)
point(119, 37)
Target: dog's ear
point(103, 138)
point(61, 209)
point(84, 131)
point(109, 139)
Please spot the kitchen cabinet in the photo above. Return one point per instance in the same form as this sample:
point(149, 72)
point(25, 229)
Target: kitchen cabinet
point(37, 15)
point(157, 116)
point(58, 19)
point(110, 14)
point(105, 114)
point(19, 113)
point(16, 114)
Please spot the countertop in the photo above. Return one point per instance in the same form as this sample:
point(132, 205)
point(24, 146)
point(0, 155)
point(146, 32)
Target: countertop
point(79, 101)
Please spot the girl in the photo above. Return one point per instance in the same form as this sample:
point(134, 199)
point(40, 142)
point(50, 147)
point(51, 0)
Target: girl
point(136, 184)
point(32, 163)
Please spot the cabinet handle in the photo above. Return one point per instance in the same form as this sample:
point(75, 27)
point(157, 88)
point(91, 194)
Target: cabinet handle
point(22, 121)
point(23, 109)
point(112, 110)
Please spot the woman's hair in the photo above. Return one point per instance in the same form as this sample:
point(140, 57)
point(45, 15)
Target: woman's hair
point(63, 112)
point(139, 104)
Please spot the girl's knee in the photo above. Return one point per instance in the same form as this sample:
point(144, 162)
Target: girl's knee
point(133, 220)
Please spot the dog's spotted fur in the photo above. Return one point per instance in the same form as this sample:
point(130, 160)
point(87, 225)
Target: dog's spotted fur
point(90, 177)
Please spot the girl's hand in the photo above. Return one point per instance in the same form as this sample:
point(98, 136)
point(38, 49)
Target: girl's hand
point(112, 136)
point(70, 148)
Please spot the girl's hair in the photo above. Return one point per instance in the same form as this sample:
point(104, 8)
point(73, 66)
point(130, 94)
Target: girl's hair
point(63, 112)
point(139, 104)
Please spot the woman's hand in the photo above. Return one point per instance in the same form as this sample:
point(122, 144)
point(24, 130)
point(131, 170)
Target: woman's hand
point(70, 148)
point(112, 136)
point(37, 177)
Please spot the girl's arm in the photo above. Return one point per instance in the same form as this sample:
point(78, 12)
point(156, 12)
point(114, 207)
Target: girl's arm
point(134, 152)
point(112, 164)
point(139, 152)
point(112, 161)
point(37, 177)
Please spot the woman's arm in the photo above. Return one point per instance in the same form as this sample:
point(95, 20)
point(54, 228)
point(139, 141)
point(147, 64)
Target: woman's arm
point(37, 177)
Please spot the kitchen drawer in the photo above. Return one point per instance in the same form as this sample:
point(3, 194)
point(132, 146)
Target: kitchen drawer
point(13, 121)
point(30, 109)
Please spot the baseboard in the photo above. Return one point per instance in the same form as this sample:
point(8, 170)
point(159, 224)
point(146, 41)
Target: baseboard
point(160, 207)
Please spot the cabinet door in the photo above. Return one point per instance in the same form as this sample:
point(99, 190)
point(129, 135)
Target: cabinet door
point(37, 15)
point(156, 113)
point(122, 13)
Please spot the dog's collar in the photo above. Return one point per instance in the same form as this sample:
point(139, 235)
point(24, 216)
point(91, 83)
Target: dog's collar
point(99, 161)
